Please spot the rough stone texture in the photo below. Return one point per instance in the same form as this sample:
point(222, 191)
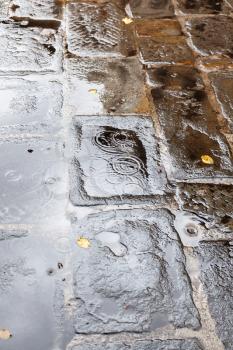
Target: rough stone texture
point(186, 115)
point(4, 5)
point(217, 277)
point(115, 160)
point(212, 35)
point(212, 202)
point(28, 48)
point(118, 86)
point(30, 103)
point(158, 28)
point(151, 9)
point(142, 288)
point(36, 8)
point(223, 87)
point(31, 296)
point(203, 6)
point(32, 181)
point(98, 30)
point(107, 343)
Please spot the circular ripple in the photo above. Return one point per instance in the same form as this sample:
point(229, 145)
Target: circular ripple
point(126, 165)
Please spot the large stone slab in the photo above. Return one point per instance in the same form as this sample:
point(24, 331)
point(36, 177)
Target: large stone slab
point(132, 277)
point(115, 160)
point(30, 104)
point(29, 46)
point(203, 6)
point(151, 9)
point(121, 343)
point(216, 263)
point(97, 29)
point(32, 293)
point(99, 86)
point(212, 35)
point(223, 87)
point(186, 116)
point(33, 181)
point(36, 8)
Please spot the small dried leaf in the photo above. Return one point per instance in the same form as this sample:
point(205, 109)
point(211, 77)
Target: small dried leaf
point(127, 20)
point(5, 334)
point(93, 91)
point(83, 242)
point(207, 159)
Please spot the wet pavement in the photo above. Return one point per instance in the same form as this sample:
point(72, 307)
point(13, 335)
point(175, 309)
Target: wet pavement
point(116, 178)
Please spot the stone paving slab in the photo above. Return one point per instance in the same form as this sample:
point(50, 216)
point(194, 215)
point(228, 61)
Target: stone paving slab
point(212, 35)
point(95, 29)
point(140, 283)
point(223, 87)
point(186, 115)
point(203, 6)
point(151, 9)
point(211, 202)
point(110, 343)
point(33, 181)
point(30, 103)
point(216, 263)
point(36, 8)
point(98, 86)
point(115, 160)
point(31, 290)
point(157, 27)
point(4, 6)
point(29, 48)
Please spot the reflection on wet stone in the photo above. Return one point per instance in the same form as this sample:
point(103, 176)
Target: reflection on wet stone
point(203, 6)
point(151, 272)
point(98, 30)
point(117, 160)
point(151, 8)
point(216, 263)
point(186, 116)
point(212, 35)
point(119, 86)
point(28, 49)
point(110, 343)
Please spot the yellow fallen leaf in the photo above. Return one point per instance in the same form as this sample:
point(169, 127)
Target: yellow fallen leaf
point(93, 91)
point(207, 159)
point(83, 242)
point(127, 20)
point(5, 334)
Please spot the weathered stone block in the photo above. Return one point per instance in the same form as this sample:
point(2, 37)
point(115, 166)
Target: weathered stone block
point(36, 8)
point(158, 28)
point(32, 187)
point(4, 6)
point(31, 293)
point(186, 116)
point(26, 47)
point(30, 104)
point(223, 87)
point(121, 343)
point(132, 277)
point(151, 9)
point(98, 86)
point(217, 277)
point(98, 30)
point(212, 35)
point(116, 160)
point(203, 6)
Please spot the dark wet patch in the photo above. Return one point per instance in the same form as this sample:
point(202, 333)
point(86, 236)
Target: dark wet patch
point(50, 48)
point(201, 6)
point(40, 23)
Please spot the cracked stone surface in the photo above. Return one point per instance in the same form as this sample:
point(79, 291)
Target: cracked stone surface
point(108, 343)
point(28, 48)
point(216, 275)
point(121, 91)
point(115, 160)
point(151, 274)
